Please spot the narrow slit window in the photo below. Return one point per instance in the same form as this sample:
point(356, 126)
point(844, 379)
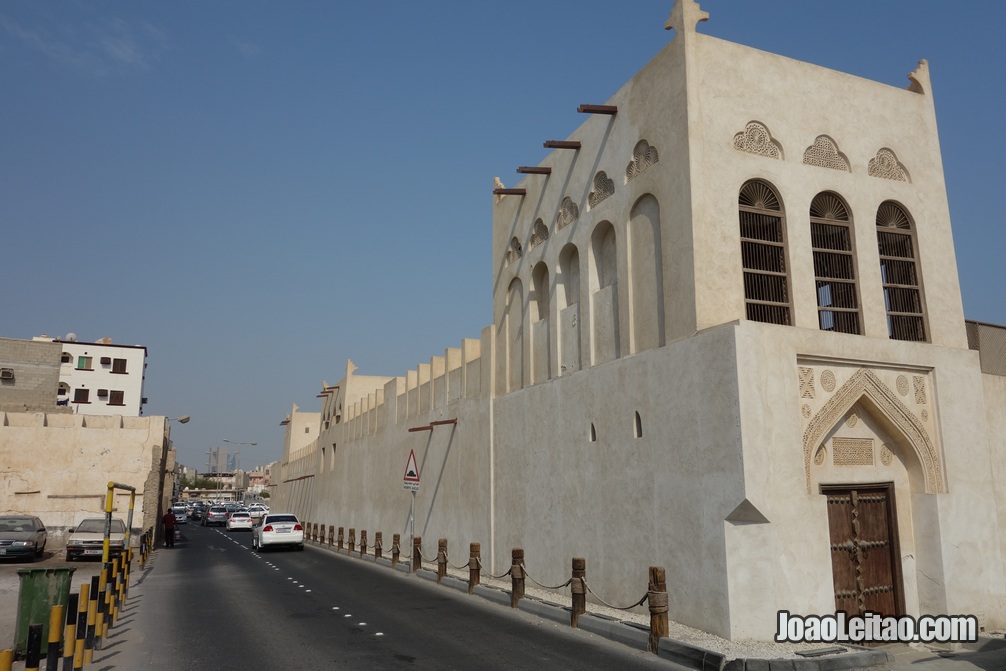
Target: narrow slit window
point(593, 433)
point(637, 427)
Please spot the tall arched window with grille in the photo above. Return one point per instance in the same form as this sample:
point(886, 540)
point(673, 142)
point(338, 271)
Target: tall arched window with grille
point(834, 265)
point(899, 274)
point(763, 253)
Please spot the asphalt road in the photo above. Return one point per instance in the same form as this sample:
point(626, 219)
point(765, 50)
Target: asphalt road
point(213, 603)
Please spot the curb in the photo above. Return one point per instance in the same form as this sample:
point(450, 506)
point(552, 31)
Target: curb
point(636, 636)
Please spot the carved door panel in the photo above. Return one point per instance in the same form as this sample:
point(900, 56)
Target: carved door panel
point(864, 551)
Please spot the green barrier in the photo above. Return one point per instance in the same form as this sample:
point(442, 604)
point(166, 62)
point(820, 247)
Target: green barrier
point(40, 590)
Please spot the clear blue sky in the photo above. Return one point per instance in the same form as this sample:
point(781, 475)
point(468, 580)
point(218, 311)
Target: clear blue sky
point(257, 191)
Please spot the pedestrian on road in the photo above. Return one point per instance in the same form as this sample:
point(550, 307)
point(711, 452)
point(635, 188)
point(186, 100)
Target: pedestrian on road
point(169, 529)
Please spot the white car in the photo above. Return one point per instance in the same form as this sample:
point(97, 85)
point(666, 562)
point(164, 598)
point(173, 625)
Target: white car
point(87, 539)
point(257, 511)
point(239, 520)
point(278, 530)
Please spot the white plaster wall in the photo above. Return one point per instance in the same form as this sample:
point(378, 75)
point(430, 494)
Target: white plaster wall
point(58, 466)
point(797, 102)
point(101, 377)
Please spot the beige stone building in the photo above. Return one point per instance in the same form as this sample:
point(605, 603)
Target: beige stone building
point(728, 339)
point(57, 464)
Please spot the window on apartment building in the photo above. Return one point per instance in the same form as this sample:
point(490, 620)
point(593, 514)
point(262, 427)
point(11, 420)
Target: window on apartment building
point(834, 265)
point(84, 362)
point(899, 275)
point(80, 395)
point(116, 398)
point(763, 254)
point(118, 365)
point(63, 389)
point(65, 358)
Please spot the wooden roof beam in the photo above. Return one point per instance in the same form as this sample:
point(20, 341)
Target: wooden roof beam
point(531, 170)
point(598, 109)
point(510, 192)
point(561, 144)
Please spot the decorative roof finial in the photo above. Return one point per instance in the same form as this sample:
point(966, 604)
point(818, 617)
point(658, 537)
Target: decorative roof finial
point(685, 16)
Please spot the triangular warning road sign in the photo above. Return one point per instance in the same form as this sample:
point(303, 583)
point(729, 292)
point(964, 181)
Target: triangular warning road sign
point(411, 478)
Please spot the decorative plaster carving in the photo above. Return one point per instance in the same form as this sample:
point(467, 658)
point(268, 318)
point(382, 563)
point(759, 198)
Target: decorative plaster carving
point(756, 139)
point(924, 415)
point(539, 234)
point(828, 381)
point(886, 166)
point(643, 156)
point(852, 420)
point(886, 456)
point(820, 456)
point(805, 411)
point(824, 153)
point(806, 382)
point(920, 389)
point(903, 385)
point(866, 389)
point(852, 451)
point(514, 252)
point(603, 187)
point(568, 213)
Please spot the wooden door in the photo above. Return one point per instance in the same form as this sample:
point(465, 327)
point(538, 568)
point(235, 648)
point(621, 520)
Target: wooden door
point(864, 549)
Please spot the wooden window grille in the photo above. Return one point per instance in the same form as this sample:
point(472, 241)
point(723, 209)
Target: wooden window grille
point(116, 398)
point(763, 254)
point(899, 275)
point(81, 395)
point(118, 365)
point(834, 265)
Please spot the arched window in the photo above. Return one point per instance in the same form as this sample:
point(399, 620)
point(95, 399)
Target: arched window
point(902, 293)
point(763, 253)
point(834, 265)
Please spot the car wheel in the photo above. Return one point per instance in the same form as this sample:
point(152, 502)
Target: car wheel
point(300, 548)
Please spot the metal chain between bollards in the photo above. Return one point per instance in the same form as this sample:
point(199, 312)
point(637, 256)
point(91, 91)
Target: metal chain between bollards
point(638, 603)
point(528, 576)
point(495, 577)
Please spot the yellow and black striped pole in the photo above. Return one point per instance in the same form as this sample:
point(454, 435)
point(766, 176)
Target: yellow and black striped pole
point(33, 651)
point(79, 634)
point(92, 613)
point(55, 636)
point(70, 631)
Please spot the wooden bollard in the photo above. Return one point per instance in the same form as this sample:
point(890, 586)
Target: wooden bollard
point(331, 536)
point(474, 564)
point(396, 549)
point(656, 597)
point(352, 540)
point(516, 576)
point(340, 538)
point(417, 552)
point(363, 542)
point(578, 589)
point(441, 559)
point(378, 544)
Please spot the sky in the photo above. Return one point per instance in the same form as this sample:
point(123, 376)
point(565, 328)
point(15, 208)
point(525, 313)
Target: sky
point(258, 191)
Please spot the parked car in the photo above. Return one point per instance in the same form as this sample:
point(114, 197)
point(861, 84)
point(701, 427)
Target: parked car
point(215, 516)
point(22, 536)
point(240, 520)
point(181, 515)
point(278, 530)
point(87, 539)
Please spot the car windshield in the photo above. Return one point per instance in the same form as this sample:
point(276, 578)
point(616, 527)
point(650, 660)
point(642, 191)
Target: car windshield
point(16, 524)
point(98, 527)
point(238, 515)
point(282, 518)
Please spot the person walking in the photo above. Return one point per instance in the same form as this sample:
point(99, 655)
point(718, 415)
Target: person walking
point(169, 529)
